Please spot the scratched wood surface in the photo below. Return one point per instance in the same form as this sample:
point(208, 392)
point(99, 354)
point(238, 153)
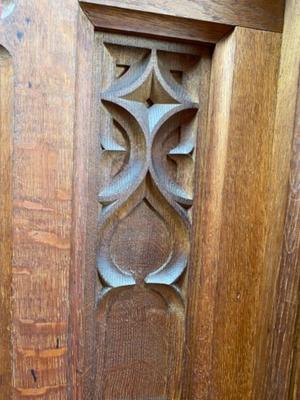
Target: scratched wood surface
point(41, 38)
point(258, 14)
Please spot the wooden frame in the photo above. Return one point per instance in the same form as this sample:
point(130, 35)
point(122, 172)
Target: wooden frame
point(265, 15)
point(232, 56)
point(49, 306)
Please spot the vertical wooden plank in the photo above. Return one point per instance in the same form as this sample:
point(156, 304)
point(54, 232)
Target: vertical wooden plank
point(207, 216)
point(82, 273)
point(234, 220)
point(281, 287)
point(41, 38)
point(242, 263)
point(6, 129)
point(294, 390)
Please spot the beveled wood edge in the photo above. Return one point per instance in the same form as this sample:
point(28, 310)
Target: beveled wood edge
point(267, 16)
point(115, 19)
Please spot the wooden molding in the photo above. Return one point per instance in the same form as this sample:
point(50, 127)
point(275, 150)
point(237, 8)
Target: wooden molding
point(153, 25)
point(257, 14)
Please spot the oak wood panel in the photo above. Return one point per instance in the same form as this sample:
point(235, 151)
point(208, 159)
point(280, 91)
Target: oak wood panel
point(294, 390)
point(41, 39)
point(242, 263)
point(147, 106)
point(234, 222)
point(281, 287)
point(51, 360)
point(208, 218)
point(258, 14)
point(6, 131)
point(82, 271)
point(149, 24)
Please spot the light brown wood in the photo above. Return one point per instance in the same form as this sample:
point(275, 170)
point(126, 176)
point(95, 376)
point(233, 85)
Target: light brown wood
point(242, 262)
point(149, 24)
point(258, 14)
point(281, 285)
point(147, 106)
point(208, 217)
point(294, 390)
point(233, 221)
point(82, 273)
point(41, 39)
point(142, 340)
point(6, 134)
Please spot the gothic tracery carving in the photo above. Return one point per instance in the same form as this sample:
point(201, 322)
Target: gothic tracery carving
point(148, 106)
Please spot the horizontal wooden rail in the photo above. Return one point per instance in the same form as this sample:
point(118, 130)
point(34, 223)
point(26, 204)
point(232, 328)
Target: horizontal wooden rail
point(150, 24)
point(257, 14)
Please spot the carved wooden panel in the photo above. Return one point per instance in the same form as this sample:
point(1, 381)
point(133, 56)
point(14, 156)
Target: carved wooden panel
point(147, 119)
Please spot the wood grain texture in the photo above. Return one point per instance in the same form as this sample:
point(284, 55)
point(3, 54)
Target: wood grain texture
point(233, 220)
point(54, 348)
point(82, 272)
point(147, 105)
point(149, 24)
point(207, 224)
point(294, 390)
point(6, 134)
point(242, 262)
point(258, 14)
point(41, 39)
point(281, 286)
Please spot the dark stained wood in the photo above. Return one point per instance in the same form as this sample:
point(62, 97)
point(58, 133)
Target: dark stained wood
point(232, 221)
point(6, 134)
point(149, 24)
point(258, 14)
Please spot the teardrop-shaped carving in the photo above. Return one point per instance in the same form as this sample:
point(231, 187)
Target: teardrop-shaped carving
point(144, 224)
point(148, 122)
point(116, 227)
point(141, 242)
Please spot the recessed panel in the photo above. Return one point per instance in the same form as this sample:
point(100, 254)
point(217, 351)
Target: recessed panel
point(147, 100)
